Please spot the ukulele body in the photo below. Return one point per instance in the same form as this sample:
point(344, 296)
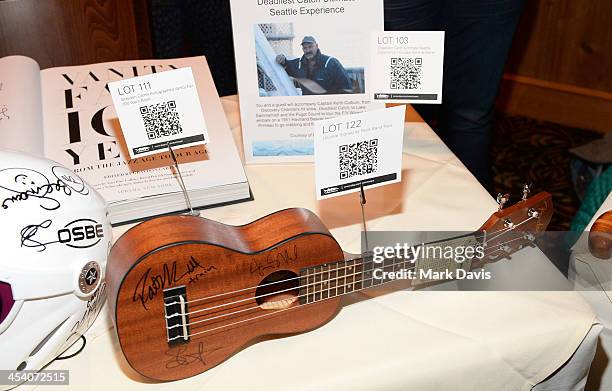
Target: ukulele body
point(226, 278)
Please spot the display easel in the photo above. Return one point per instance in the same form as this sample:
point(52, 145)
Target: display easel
point(191, 212)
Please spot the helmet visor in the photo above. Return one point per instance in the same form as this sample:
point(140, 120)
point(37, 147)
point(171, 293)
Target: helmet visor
point(6, 301)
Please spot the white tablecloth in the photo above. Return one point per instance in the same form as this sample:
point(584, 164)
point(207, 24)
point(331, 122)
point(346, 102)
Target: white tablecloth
point(593, 277)
point(403, 340)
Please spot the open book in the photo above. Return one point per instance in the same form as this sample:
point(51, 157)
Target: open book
point(66, 114)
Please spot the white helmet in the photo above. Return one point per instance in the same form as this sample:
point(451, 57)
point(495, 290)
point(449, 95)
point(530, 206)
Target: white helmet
point(55, 236)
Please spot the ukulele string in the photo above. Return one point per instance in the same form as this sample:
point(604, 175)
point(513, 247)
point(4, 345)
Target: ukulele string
point(347, 266)
point(255, 317)
point(266, 294)
point(280, 281)
point(257, 286)
point(499, 232)
point(235, 323)
point(329, 289)
point(251, 308)
point(330, 296)
point(321, 282)
point(511, 228)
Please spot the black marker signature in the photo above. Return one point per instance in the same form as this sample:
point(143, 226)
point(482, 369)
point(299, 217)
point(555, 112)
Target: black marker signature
point(70, 179)
point(27, 183)
point(274, 260)
point(29, 231)
point(94, 305)
point(181, 358)
point(149, 285)
point(4, 113)
point(196, 276)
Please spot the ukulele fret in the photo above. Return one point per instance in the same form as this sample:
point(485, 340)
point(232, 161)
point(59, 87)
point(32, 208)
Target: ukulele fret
point(318, 283)
point(304, 291)
point(350, 276)
point(367, 277)
point(330, 280)
point(341, 279)
point(177, 315)
point(333, 280)
point(324, 282)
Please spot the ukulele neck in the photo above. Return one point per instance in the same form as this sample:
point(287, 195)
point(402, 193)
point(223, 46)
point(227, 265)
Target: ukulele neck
point(416, 264)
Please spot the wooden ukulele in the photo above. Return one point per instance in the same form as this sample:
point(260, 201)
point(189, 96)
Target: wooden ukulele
point(187, 292)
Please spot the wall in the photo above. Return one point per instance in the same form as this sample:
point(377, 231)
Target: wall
point(74, 32)
point(560, 64)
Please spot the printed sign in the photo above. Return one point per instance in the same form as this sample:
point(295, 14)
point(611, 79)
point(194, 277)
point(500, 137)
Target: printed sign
point(298, 62)
point(158, 110)
point(407, 66)
point(358, 149)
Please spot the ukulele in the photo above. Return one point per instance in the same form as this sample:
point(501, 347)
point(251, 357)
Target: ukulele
point(187, 293)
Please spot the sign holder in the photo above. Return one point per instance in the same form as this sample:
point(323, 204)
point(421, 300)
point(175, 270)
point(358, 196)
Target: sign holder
point(183, 188)
point(362, 202)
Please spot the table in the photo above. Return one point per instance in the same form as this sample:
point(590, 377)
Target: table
point(593, 278)
point(423, 340)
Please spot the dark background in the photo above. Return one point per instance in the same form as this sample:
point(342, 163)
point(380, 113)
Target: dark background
point(559, 69)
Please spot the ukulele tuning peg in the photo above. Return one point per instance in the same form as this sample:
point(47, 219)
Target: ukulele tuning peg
point(502, 199)
point(530, 237)
point(526, 190)
point(533, 213)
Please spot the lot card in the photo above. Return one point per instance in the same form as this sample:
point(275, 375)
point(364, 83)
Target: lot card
point(159, 109)
point(358, 149)
point(407, 66)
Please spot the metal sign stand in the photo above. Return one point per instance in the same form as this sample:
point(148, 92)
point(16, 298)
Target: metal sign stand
point(362, 202)
point(178, 170)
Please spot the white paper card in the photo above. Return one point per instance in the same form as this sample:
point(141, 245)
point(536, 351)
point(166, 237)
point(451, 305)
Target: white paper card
point(362, 148)
point(407, 66)
point(159, 109)
point(324, 74)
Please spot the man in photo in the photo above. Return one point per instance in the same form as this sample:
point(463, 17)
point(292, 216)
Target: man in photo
point(317, 73)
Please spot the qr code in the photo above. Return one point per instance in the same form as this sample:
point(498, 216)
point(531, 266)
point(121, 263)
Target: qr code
point(406, 73)
point(358, 158)
point(161, 119)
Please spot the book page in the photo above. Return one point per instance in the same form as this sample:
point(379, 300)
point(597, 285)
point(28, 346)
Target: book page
point(82, 132)
point(20, 105)
point(298, 62)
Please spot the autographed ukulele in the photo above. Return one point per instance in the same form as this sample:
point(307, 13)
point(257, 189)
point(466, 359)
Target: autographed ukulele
point(187, 292)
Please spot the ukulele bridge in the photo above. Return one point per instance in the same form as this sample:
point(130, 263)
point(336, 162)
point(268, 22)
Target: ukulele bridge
point(176, 315)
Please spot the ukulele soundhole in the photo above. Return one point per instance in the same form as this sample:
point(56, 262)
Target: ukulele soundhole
point(177, 315)
point(279, 290)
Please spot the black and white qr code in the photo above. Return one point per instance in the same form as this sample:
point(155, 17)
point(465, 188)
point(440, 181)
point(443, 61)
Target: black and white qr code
point(358, 158)
point(161, 119)
point(406, 73)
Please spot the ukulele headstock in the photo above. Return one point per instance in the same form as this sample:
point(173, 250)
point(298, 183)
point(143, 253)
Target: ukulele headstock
point(510, 229)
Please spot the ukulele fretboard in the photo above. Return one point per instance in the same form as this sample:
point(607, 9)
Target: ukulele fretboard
point(338, 278)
